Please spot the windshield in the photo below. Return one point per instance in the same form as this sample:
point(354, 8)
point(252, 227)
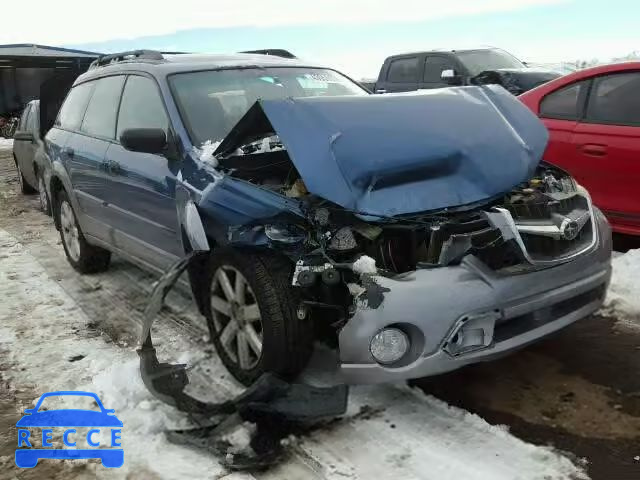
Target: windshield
point(211, 102)
point(477, 61)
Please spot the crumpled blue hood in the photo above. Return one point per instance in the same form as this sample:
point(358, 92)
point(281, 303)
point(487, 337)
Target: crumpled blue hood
point(395, 154)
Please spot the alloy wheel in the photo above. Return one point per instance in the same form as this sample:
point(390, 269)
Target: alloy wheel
point(20, 178)
point(42, 194)
point(70, 233)
point(236, 317)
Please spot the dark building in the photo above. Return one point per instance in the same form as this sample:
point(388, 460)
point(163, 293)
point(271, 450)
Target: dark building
point(25, 67)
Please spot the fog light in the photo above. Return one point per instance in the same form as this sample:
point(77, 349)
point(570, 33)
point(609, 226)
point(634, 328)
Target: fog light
point(389, 345)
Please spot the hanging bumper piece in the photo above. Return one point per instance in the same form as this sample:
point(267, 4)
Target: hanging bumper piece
point(278, 408)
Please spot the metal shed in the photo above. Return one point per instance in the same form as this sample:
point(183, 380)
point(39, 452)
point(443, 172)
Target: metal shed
point(25, 67)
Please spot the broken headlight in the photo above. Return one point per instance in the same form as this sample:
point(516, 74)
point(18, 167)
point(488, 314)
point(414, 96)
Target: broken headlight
point(288, 234)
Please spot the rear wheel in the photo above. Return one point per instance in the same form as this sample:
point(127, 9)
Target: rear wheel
point(251, 315)
point(25, 188)
point(45, 204)
point(83, 257)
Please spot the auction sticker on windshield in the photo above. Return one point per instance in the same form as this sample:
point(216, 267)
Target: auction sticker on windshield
point(69, 425)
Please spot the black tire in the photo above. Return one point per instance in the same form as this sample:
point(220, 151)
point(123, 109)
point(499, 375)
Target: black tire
point(287, 341)
point(83, 257)
point(25, 188)
point(45, 201)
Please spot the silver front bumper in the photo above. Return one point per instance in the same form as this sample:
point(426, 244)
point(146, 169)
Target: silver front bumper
point(430, 305)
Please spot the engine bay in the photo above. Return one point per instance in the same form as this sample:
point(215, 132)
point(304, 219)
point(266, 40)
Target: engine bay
point(443, 238)
point(404, 243)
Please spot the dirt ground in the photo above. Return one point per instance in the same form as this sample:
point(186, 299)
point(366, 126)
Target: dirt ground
point(578, 391)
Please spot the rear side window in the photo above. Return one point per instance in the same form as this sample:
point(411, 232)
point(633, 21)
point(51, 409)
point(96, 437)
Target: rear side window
point(615, 99)
point(32, 121)
point(141, 106)
point(403, 70)
point(564, 104)
point(24, 118)
point(433, 68)
point(73, 108)
point(100, 118)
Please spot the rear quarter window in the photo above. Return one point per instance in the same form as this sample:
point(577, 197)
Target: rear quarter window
point(100, 118)
point(566, 103)
point(24, 118)
point(74, 106)
point(33, 120)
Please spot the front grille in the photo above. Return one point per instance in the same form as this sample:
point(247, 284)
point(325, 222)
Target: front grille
point(543, 227)
point(515, 326)
point(546, 208)
point(542, 248)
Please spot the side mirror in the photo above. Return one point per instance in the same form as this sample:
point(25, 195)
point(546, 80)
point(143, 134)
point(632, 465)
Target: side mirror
point(144, 140)
point(451, 77)
point(23, 135)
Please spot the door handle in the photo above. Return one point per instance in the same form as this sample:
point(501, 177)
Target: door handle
point(112, 167)
point(594, 150)
point(69, 152)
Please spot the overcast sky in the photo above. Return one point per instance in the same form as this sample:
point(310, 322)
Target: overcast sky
point(354, 36)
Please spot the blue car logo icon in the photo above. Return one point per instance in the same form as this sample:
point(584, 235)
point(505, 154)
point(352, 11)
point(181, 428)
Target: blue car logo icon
point(46, 420)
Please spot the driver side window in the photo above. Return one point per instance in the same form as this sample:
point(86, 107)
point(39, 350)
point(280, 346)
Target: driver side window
point(141, 106)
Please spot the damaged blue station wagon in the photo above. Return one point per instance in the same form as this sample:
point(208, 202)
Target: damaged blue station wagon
point(417, 232)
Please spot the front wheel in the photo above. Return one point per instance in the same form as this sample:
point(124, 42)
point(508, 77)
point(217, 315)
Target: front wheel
point(82, 256)
point(252, 316)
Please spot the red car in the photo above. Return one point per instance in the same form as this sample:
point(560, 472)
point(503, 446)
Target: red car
point(593, 117)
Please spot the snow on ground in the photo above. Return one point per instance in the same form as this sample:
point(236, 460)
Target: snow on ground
point(6, 143)
point(365, 264)
point(403, 433)
point(42, 346)
point(623, 297)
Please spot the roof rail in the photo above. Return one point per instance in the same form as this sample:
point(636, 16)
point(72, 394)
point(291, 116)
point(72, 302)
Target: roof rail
point(276, 52)
point(123, 56)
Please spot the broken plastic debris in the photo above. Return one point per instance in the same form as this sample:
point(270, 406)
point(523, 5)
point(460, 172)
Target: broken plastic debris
point(365, 264)
point(271, 404)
